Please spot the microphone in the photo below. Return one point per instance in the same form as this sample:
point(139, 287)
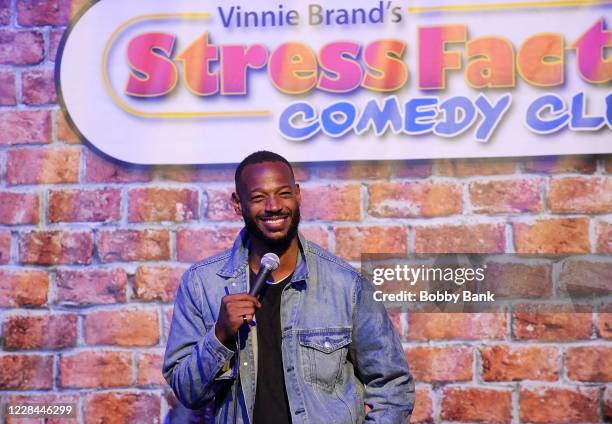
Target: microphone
point(269, 263)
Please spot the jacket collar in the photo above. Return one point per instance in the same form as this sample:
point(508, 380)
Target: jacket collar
point(239, 258)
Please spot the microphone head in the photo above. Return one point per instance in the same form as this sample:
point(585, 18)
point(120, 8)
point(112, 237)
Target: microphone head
point(270, 261)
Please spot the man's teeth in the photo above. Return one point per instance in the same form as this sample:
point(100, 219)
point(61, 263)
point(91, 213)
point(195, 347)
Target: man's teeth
point(273, 220)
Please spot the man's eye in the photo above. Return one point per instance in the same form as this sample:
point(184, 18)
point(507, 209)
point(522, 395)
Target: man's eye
point(286, 194)
point(257, 199)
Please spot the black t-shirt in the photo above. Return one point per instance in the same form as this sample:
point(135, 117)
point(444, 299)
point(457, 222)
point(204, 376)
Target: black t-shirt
point(271, 403)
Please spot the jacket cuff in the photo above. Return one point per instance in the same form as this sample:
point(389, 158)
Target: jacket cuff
point(216, 348)
point(221, 353)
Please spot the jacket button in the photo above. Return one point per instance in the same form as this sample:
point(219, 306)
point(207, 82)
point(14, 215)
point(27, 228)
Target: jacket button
point(289, 369)
point(327, 345)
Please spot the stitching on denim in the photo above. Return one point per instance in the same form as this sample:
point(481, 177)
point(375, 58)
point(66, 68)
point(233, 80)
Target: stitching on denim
point(322, 253)
point(216, 258)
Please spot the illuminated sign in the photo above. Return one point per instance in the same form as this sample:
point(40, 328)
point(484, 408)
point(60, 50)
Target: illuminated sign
point(209, 82)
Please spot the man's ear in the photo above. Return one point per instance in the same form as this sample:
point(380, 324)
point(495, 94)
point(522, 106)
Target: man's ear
point(236, 204)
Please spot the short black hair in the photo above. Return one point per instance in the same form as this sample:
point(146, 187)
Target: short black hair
point(259, 157)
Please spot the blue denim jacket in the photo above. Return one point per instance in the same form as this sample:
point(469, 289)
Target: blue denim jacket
point(339, 348)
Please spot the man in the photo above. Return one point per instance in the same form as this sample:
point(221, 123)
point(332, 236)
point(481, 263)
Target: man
point(314, 348)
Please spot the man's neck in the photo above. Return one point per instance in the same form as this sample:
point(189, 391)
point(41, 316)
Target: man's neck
point(288, 257)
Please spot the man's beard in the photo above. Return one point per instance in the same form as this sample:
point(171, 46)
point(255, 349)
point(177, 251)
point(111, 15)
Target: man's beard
point(276, 244)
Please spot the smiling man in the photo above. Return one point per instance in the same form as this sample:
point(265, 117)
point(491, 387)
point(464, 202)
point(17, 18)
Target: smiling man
point(314, 347)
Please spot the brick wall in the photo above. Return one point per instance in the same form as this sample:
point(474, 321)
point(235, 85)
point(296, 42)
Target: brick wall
point(91, 252)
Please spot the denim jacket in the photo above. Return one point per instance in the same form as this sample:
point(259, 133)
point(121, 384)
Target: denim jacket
point(339, 349)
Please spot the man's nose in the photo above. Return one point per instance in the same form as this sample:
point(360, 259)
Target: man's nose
point(273, 204)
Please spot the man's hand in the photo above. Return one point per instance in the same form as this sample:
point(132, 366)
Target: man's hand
point(234, 311)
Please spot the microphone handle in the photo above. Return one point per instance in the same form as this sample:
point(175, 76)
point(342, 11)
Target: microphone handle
point(260, 280)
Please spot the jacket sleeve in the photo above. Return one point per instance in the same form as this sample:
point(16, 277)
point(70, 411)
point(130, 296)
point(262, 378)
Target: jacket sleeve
point(379, 360)
point(194, 356)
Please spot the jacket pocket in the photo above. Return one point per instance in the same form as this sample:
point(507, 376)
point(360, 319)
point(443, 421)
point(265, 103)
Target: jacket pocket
point(323, 354)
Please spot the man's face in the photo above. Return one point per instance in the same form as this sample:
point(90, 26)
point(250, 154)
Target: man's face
point(269, 201)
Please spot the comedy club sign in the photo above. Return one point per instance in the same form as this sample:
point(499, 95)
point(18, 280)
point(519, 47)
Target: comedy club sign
point(198, 81)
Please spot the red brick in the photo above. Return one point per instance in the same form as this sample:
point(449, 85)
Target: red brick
point(21, 47)
point(607, 412)
point(23, 287)
point(552, 323)
point(48, 399)
point(89, 369)
point(604, 325)
point(604, 237)
point(163, 204)
point(193, 244)
point(133, 245)
point(302, 172)
point(580, 194)
point(38, 87)
point(506, 196)
point(49, 331)
point(55, 37)
point(547, 236)
point(476, 405)
point(560, 164)
point(449, 326)
point(157, 283)
point(65, 132)
point(101, 205)
point(43, 166)
point(514, 363)
point(91, 286)
point(195, 173)
point(122, 408)
point(126, 327)
point(219, 205)
point(18, 208)
point(440, 363)
point(40, 13)
point(470, 167)
point(26, 372)
point(331, 202)
point(317, 234)
point(608, 163)
point(5, 247)
point(55, 247)
point(589, 363)
point(423, 406)
point(8, 96)
point(352, 241)
point(25, 127)
point(102, 170)
point(585, 278)
point(524, 280)
point(414, 199)
point(467, 238)
point(354, 170)
point(149, 369)
point(558, 405)
point(5, 12)
point(413, 169)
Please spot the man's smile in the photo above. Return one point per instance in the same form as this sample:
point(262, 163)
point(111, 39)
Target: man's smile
point(275, 222)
